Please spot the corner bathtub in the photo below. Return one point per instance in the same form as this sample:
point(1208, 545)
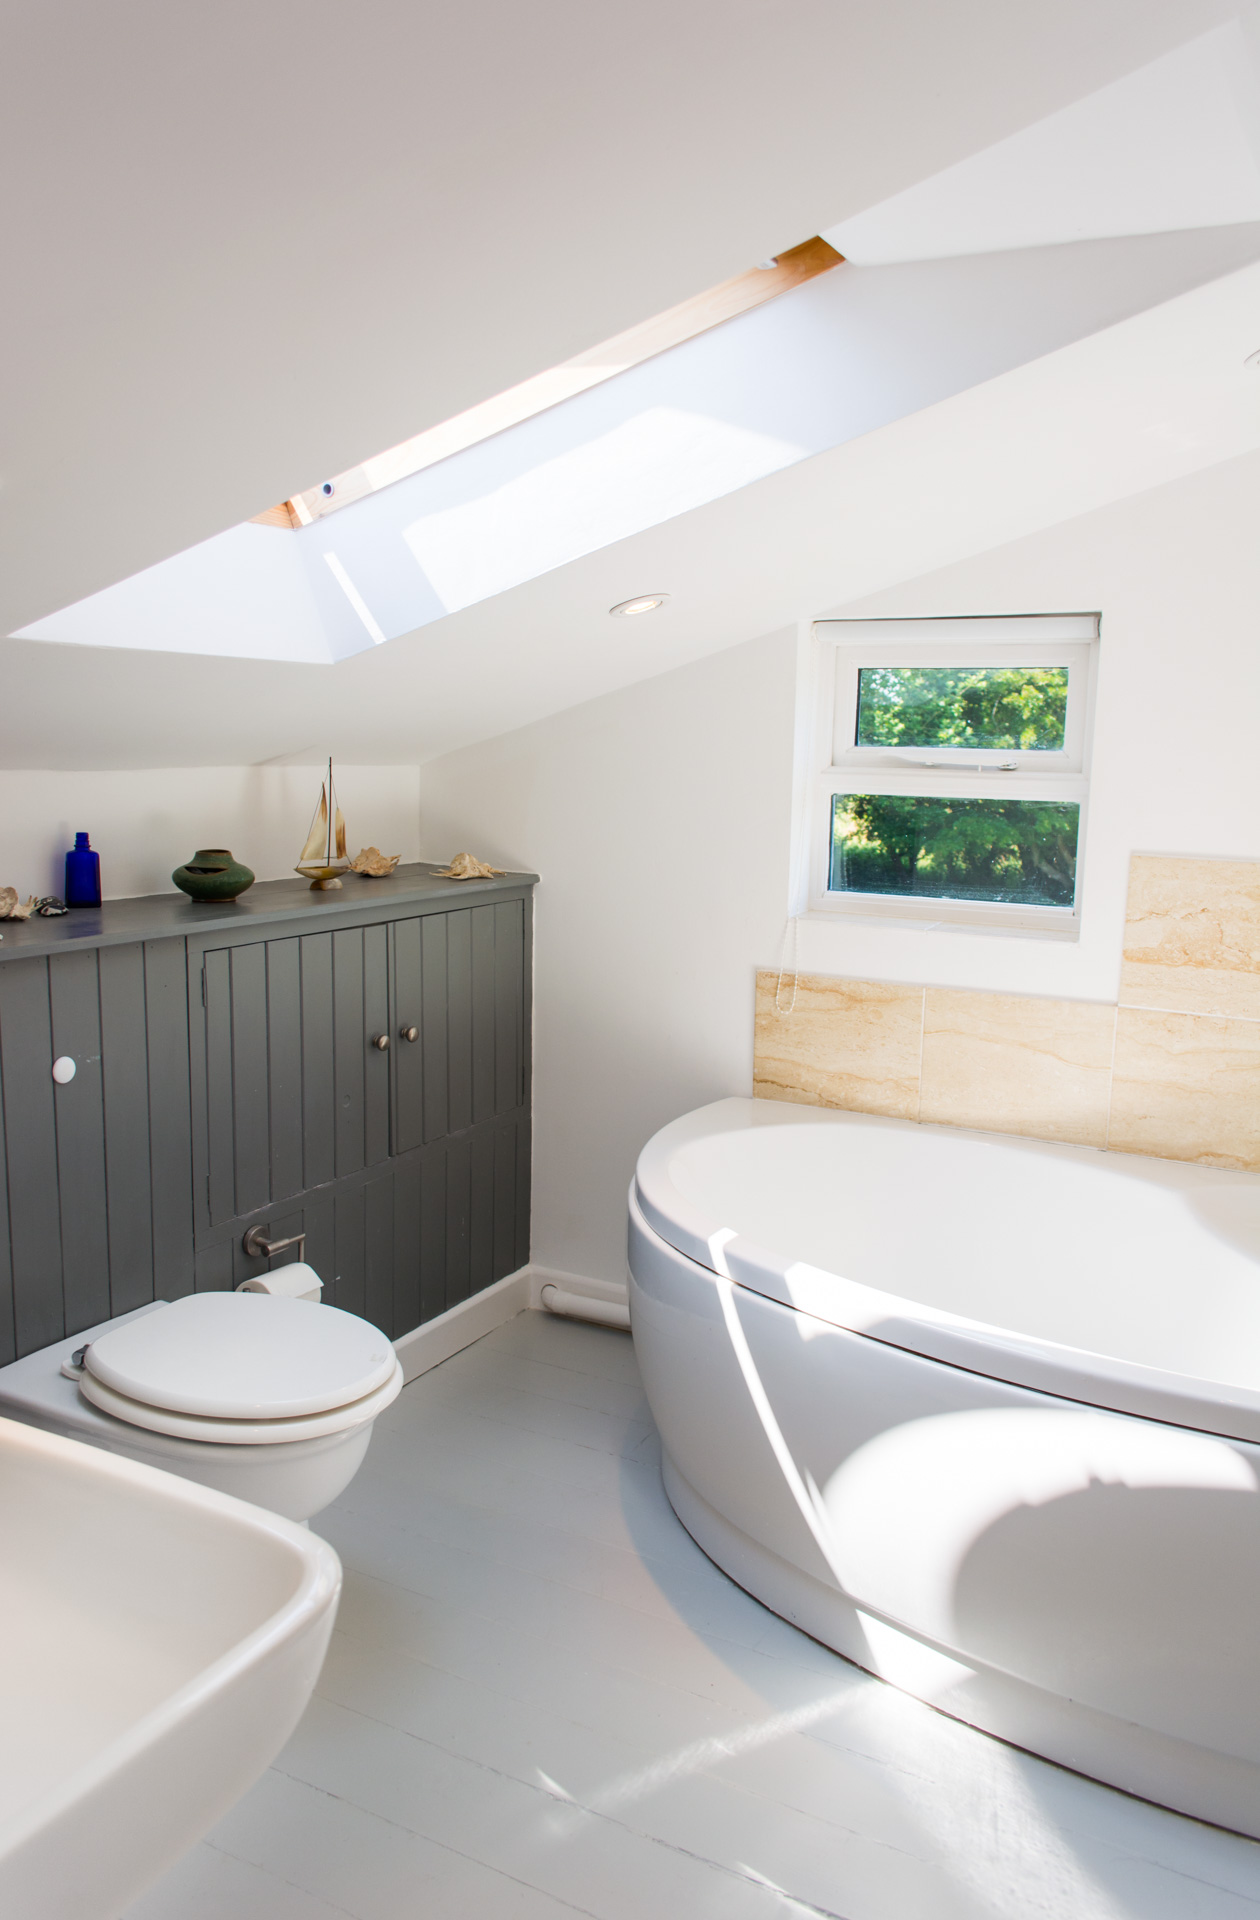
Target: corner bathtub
point(982, 1414)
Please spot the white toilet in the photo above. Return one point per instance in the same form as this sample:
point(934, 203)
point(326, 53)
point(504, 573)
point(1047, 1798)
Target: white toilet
point(262, 1396)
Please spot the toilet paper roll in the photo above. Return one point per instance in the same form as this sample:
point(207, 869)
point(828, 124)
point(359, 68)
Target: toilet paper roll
point(297, 1281)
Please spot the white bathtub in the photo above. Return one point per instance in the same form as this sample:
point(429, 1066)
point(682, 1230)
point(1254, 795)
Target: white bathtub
point(981, 1413)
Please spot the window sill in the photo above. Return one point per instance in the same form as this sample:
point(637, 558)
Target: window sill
point(1002, 927)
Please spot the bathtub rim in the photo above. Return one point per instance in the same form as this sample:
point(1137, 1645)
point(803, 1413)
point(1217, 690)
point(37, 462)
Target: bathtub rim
point(1101, 1380)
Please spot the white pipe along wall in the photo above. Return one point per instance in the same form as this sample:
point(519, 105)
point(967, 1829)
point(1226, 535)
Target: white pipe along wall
point(660, 819)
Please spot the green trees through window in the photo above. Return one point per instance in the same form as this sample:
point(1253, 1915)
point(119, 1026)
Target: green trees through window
point(1015, 850)
point(1021, 709)
point(1021, 851)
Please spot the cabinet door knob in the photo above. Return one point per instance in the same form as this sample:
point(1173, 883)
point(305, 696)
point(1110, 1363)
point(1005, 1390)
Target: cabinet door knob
point(64, 1069)
point(381, 1042)
point(408, 1033)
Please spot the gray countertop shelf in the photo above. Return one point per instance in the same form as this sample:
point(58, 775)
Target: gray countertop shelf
point(159, 916)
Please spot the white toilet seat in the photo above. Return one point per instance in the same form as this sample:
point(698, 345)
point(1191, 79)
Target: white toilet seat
point(242, 1357)
point(240, 1433)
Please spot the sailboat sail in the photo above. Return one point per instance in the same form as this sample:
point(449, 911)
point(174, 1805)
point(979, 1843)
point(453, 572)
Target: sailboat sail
point(315, 852)
point(317, 861)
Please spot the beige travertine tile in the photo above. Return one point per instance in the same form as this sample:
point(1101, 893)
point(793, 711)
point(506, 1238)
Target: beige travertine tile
point(1186, 1086)
point(1192, 935)
point(1009, 1063)
point(846, 1043)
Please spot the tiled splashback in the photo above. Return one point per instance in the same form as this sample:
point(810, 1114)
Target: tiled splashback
point(1173, 1070)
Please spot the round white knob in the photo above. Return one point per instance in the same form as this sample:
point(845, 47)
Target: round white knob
point(64, 1069)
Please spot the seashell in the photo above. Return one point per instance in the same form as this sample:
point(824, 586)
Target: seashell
point(13, 909)
point(373, 864)
point(466, 867)
point(50, 906)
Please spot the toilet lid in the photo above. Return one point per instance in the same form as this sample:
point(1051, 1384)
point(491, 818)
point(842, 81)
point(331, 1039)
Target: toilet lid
point(240, 1433)
point(243, 1356)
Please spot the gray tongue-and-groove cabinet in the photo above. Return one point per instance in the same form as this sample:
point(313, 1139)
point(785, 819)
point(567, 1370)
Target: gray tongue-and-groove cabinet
point(229, 1074)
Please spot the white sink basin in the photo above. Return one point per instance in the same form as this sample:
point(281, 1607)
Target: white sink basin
point(158, 1642)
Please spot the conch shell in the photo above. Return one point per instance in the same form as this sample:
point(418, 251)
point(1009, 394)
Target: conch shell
point(11, 908)
point(465, 867)
point(375, 864)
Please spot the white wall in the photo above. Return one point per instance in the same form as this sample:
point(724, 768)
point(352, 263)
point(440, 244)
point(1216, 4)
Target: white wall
point(144, 824)
point(659, 818)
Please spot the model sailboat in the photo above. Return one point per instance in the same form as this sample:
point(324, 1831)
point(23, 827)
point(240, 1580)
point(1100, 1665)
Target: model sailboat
point(323, 859)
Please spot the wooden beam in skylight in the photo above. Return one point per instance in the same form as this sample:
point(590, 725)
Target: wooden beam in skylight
point(585, 370)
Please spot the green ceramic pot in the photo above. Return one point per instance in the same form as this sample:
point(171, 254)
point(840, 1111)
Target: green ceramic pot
point(212, 874)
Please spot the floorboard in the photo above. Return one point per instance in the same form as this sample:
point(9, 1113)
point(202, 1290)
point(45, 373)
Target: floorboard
point(542, 1700)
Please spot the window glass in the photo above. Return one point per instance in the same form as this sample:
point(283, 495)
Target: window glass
point(1018, 709)
point(1019, 851)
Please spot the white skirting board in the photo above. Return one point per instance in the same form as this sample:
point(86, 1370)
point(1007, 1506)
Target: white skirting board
point(459, 1326)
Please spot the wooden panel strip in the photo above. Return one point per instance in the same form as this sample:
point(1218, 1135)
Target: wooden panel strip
point(504, 1197)
point(524, 1154)
point(349, 1048)
point(483, 1012)
point(458, 1216)
point(509, 1008)
point(345, 1286)
point(284, 1065)
point(217, 989)
point(251, 1136)
point(318, 1084)
point(213, 1268)
point(434, 1025)
point(459, 1019)
point(74, 992)
point(409, 1057)
point(432, 1230)
point(125, 1073)
point(481, 1209)
point(406, 1308)
point(376, 1066)
point(31, 1145)
point(170, 1119)
point(378, 1252)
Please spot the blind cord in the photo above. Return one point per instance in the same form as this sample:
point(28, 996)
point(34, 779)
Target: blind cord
point(787, 965)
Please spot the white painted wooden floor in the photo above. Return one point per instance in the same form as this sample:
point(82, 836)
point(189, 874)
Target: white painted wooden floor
point(542, 1700)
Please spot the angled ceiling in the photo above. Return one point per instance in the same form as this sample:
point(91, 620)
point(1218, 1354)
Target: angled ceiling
point(1171, 146)
point(253, 246)
point(845, 355)
point(1138, 404)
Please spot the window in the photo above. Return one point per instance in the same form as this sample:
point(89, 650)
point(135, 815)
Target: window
point(954, 757)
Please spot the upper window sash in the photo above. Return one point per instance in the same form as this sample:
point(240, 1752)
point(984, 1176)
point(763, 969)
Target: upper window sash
point(844, 659)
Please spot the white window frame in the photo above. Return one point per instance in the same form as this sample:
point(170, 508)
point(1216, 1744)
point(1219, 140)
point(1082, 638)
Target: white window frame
point(842, 647)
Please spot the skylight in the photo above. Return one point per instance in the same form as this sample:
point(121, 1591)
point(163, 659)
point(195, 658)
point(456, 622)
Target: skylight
point(557, 384)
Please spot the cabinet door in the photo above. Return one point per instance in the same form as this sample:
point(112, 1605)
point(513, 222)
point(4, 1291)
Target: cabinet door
point(296, 1093)
point(460, 979)
point(97, 1169)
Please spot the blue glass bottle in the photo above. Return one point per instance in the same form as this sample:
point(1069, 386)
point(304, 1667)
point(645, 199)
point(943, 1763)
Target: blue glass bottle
point(83, 874)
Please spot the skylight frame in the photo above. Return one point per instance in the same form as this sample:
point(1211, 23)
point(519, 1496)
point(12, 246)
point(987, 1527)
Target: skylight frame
point(557, 384)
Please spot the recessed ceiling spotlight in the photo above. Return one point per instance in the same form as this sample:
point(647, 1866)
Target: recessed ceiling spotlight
point(643, 603)
point(766, 266)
